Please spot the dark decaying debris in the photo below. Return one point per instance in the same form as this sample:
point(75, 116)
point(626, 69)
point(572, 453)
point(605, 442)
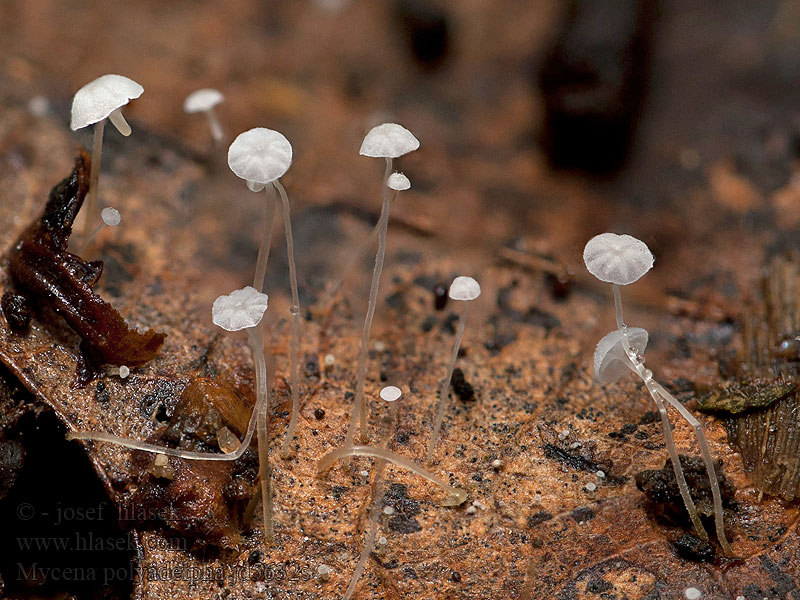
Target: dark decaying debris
point(593, 82)
point(47, 274)
point(661, 489)
point(461, 386)
point(691, 547)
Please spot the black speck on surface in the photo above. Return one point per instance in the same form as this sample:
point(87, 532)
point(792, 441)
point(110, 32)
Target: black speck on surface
point(539, 517)
point(338, 491)
point(461, 386)
point(427, 323)
point(691, 547)
point(583, 513)
point(101, 393)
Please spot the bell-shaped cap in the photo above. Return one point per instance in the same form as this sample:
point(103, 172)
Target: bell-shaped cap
point(610, 360)
point(201, 100)
point(241, 309)
point(619, 259)
point(398, 182)
point(390, 393)
point(389, 140)
point(99, 98)
point(260, 155)
point(464, 288)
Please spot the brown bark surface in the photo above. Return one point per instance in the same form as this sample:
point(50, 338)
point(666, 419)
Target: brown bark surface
point(709, 188)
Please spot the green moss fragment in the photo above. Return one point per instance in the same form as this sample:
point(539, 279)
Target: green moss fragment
point(735, 398)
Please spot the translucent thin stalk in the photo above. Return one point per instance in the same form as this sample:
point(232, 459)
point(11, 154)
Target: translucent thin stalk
point(372, 530)
point(217, 132)
point(100, 436)
point(294, 344)
point(118, 120)
point(719, 525)
point(90, 237)
point(359, 412)
point(455, 496)
point(266, 240)
point(443, 392)
point(658, 393)
point(94, 175)
point(256, 336)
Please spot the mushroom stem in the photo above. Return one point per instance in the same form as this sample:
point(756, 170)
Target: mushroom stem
point(716, 494)
point(359, 412)
point(217, 133)
point(294, 348)
point(455, 496)
point(266, 241)
point(94, 175)
point(443, 392)
point(618, 309)
point(256, 335)
point(118, 121)
point(372, 532)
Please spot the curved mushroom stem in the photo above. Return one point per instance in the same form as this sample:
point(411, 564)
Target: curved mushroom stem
point(94, 175)
point(659, 394)
point(716, 494)
point(256, 335)
point(455, 496)
point(217, 133)
point(443, 392)
point(359, 413)
point(118, 121)
point(266, 241)
point(294, 349)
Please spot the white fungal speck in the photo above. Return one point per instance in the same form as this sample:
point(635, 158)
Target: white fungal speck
point(398, 182)
point(329, 360)
point(563, 435)
point(600, 474)
point(365, 473)
point(740, 598)
point(692, 593)
point(388, 510)
point(497, 463)
point(537, 497)
point(324, 572)
point(380, 346)
point(464, 289)
point(390, 393)
point(471, 510)
point(110, 216)
point(124, 371)
point(575, 445)
point(382, 541)
point(591, 487)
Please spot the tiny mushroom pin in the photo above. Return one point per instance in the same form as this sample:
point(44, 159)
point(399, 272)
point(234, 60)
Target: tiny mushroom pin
point(622, 260)
point(92, 104)
point(204, 100)
point(261, 156)
point(387, 141)
point(464, 289)
point(110, 217)
point(244, 309)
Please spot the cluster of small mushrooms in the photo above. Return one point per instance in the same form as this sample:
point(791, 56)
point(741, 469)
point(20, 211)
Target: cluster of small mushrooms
point(261, 156)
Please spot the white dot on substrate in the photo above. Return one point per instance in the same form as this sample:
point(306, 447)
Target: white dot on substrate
point(692, 593)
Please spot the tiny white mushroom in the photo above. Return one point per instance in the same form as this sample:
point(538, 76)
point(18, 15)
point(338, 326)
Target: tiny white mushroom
point(387, 141)
point(621, 260)
point(692, 593)
point(398, 182)
point(463, 289)
point(261, 156)
point(124, 372)
point(617, 259)
point(241, 309)
point(610, 359)
point(92, 104)
point(110, 216)
point(388, 510)
point(204, 100)
point(390, 393)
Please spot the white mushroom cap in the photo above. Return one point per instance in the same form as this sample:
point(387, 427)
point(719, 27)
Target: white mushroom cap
point(610, 360)
point(619, 259)
point(241, 309)
point(464, 288)
point(389, 140)
point(203, 99)
point(390, 393)
point(260, 156)
point(110, 216)
point(99, 98)
point(398, 182)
